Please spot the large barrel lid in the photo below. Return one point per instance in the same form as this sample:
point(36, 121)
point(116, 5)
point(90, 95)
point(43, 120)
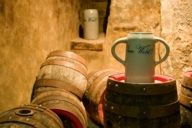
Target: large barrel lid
point(163, 84)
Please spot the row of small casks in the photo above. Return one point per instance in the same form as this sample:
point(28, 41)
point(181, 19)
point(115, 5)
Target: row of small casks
point(59, 88)
point(61, 85)
point(125, 104)
point(64, 86)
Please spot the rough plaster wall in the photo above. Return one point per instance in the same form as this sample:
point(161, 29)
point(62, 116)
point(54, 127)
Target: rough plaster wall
point(177, 29)
point(130, 16)
point(29, 30)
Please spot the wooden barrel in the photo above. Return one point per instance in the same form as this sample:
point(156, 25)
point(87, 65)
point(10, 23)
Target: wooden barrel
point(66, 105)
point(68, 56)
point(30, 116)
point(185, 98)
point(141, 105)
point(63, 69)
point(93, 98)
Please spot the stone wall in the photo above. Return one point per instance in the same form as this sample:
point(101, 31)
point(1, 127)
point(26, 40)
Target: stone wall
point(176, 24)
point(29, 30)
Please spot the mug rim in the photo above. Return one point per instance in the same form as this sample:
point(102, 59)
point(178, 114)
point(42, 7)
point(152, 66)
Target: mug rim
point(140, 33)
point(90, 9)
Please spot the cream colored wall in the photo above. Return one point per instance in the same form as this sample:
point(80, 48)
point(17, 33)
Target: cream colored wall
point(29, 30)
point(176, 21)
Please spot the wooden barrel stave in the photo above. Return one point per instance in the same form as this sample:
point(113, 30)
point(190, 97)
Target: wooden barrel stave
point(93, 98)
point(117, 121)
point(69, 76)
point(67, 55)
point(92, 76)
point(44, 85)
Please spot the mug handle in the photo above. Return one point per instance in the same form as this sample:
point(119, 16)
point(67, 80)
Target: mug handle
point(166, 47)
point(113, 49)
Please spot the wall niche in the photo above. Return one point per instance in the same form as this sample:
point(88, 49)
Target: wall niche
point(103, 8)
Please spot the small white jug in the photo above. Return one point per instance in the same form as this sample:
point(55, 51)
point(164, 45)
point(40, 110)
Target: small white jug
point(91, 24)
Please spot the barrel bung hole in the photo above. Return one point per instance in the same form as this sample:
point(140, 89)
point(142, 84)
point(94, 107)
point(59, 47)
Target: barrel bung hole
point(24, 112)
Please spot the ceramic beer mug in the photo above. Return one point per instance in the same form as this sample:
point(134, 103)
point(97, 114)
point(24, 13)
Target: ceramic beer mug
point(91, 24)
point(139, 59)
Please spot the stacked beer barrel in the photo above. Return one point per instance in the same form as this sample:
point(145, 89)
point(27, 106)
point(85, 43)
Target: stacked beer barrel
point(141, 105)
point(60, 86)
point(185, 98)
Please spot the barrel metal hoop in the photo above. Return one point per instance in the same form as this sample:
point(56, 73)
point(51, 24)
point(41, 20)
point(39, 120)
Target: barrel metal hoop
point(142, 112)
point(141, 89)
point(68, 54)
point(25, 121)
point(60, 98)
point(58, 84)
point(65, 64)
